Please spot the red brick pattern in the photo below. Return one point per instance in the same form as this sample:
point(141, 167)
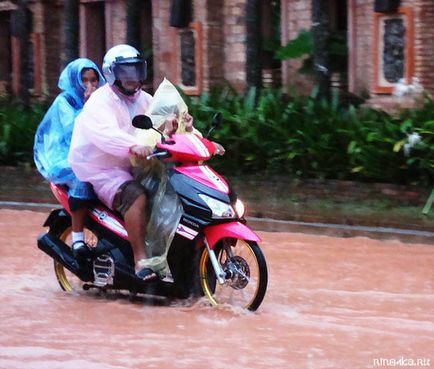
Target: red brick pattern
point(234, 43)
point(223, 46)
point(162, 42)
point(361, 12)
point(424, 42)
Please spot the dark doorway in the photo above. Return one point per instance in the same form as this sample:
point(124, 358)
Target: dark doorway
point(146, 45)
point(338, 44)
point(271, 41)
point(5, 47)
point(94, 24)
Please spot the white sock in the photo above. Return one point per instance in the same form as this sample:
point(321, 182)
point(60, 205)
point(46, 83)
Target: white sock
point(77, 236)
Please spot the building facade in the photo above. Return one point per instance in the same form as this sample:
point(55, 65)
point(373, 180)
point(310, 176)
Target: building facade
point(386, 41)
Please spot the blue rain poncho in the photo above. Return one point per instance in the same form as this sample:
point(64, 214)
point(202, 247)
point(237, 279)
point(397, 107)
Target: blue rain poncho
point(53, 136)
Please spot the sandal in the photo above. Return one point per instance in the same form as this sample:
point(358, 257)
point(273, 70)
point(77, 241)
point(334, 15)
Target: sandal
point(80, 249)
point(146, 274)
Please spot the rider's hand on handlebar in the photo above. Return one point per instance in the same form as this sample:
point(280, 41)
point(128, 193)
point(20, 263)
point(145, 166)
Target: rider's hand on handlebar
point(141, 151)
point(219, 149)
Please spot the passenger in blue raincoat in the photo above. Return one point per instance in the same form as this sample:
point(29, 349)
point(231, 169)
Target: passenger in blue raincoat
point(53, 138)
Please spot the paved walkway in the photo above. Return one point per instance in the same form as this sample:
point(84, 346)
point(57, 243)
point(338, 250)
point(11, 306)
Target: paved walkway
point(274, 208)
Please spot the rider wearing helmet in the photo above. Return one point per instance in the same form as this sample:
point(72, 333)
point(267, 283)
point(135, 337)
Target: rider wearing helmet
point(103, 140)
point(124, 67)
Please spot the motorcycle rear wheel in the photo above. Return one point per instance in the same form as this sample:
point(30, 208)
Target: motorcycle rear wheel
point(245, 288)
point(67, 280)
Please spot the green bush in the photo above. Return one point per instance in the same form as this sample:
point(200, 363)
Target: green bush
point(297, 136)
point(303, 137)
point(17, 131)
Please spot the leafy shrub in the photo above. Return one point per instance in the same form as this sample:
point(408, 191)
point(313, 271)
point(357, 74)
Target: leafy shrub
point(17, 130)
point(297, 136)
point(301, 136)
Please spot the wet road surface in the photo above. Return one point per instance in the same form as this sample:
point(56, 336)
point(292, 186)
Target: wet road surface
point(331, 303)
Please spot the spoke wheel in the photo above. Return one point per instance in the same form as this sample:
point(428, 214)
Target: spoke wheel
point(67, 280)
point(246, 274)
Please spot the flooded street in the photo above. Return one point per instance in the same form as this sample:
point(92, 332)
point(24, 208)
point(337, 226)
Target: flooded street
point(331, 303)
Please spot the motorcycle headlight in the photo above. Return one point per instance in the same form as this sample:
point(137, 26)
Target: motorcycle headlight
point(219, 209)
point(240, 209)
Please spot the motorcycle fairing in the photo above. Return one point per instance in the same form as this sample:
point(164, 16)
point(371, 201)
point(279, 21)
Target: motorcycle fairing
point(188, 190)
point(187, 147)
point(233, 230)
point(108, 220)
point(99, 213)
point(205, 175)
point(60, 194)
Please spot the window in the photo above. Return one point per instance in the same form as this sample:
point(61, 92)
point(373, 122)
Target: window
point(393, 49)
point(188, 58)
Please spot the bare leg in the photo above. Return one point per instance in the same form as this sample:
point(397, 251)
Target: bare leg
point(135, 224)
point(77, 218)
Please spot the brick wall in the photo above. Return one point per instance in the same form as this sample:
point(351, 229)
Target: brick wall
point(424, 42)
point(235, 43)
point(223, 47)
point(162, 41)
point(115, 19)
point(361, 45)
point(48, 23)
point(296, 16)
point(210, 13)
point(423, 11)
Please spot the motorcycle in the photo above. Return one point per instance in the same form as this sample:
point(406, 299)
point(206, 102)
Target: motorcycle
point(210, 252)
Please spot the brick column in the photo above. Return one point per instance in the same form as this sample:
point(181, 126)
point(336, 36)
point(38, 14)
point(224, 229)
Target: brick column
point(424, 43)
point(235, 43)
point(162, 42)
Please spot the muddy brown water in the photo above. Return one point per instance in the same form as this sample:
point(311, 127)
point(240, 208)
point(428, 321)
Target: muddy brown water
point(331, 303)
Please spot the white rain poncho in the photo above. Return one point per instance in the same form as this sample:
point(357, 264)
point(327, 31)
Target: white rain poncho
point(53, 136)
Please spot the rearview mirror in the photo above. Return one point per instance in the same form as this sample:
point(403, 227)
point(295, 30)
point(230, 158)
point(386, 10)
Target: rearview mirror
point(142, 122)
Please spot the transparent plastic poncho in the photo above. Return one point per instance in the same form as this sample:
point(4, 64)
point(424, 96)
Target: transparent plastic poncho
point(53, 135)
point(166, 209)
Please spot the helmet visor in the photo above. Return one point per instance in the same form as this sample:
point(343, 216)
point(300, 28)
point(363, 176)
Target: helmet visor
point(131, 76)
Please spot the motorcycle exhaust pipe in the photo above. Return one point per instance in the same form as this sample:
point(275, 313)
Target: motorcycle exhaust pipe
point(61, 252)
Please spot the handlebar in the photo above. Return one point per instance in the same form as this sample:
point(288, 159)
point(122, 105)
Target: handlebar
point(157, 154)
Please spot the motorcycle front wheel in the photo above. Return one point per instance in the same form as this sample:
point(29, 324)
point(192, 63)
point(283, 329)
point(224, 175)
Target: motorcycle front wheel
point(246, 274)
point(67, 280)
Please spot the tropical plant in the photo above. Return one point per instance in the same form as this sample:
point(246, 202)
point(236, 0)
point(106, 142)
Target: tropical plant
point(301, 136)
point(293, 136)
point(17, 131)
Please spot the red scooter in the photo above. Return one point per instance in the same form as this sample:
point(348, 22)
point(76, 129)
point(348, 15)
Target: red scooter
point(208, 249)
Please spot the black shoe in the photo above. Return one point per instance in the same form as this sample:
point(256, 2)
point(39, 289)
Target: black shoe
point(80, 250)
